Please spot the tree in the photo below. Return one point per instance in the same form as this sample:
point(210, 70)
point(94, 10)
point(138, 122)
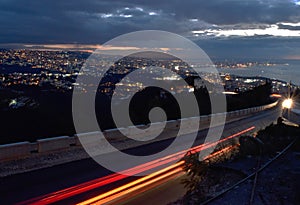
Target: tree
point(196, 171)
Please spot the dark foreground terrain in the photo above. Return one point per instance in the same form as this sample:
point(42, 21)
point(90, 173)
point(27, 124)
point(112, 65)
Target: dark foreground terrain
point(234, 181)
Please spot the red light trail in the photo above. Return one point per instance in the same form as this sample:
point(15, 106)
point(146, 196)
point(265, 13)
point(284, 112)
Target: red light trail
point(93, 184)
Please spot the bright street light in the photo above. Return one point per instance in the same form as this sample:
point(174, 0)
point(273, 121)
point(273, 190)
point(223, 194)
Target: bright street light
point(287, 103)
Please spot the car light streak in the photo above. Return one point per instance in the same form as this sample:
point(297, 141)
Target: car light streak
point(137, 183)
point(93, 184)
point(161, 179)
point(219, 152)
point(117, 194)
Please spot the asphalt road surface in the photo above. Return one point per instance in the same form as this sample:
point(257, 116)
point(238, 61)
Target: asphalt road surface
point(25, 186)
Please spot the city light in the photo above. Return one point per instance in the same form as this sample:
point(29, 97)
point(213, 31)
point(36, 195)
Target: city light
point(287, 103)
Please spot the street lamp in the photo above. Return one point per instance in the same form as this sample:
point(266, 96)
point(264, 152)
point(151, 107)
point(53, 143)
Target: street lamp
point(287, 103)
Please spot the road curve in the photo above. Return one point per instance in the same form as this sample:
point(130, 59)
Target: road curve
point(26, 186)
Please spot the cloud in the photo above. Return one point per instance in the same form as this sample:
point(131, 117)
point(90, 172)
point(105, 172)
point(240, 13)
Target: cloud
point(271, 30)
point(97, 21)
point(74, 22)
point(271, 48)
point(129, 12)
point(229, 11)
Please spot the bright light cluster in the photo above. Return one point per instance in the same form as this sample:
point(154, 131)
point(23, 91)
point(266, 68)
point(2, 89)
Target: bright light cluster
point(287, 103)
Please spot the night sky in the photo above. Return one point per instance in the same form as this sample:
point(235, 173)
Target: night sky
point(223, 28)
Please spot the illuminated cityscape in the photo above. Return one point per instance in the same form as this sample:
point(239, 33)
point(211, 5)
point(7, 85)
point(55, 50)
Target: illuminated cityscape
point(58, 70)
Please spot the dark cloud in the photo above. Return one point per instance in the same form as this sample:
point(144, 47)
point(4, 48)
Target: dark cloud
point(81, 21)
point(74, 21)
point(230, 11)
point(96, 21)
point(289, 27)
point(255, 47)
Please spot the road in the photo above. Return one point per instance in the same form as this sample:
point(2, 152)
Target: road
point(82, 175)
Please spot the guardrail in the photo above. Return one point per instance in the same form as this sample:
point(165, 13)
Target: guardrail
point(293, 115)
point(24, 149)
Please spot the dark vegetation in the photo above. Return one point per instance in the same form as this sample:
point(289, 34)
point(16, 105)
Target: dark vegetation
point(209, 177)
point(52, 114)
point(256, 97)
